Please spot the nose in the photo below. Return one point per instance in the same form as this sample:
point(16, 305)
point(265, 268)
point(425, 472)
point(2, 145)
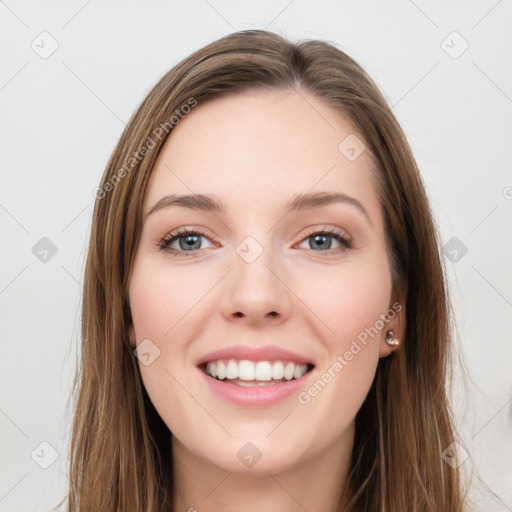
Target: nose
point(256, 292)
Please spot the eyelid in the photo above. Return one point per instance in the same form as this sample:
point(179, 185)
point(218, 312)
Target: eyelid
point(326, 228)
point(186, 230)
point(343, 238)
point(192, 229)
point(310, 231)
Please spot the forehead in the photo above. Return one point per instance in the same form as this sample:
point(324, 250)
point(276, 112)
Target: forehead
point(260, 148)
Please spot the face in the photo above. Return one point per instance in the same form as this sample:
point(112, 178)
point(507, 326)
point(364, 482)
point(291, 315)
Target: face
point(259, 327)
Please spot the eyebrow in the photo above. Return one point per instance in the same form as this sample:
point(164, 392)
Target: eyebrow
point(298, 202)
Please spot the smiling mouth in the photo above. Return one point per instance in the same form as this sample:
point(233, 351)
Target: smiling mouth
point(255, 373)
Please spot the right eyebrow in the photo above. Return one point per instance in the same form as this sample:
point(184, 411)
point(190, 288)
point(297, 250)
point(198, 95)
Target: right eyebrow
point(192, 201)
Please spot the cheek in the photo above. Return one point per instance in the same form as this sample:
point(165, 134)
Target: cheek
point(162, 307)
point(165, 304)
point(349, 301)
point(161, 300)
point(351, 305)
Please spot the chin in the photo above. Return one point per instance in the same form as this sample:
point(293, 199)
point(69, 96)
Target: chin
point(255, 455)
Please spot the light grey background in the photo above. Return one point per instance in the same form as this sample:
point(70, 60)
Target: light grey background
point(63, 113)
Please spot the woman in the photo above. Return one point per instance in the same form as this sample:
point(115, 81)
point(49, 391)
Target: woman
point(265, 320)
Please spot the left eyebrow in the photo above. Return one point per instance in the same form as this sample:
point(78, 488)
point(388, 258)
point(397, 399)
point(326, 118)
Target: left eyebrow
point(312, 200)
point(304, 201)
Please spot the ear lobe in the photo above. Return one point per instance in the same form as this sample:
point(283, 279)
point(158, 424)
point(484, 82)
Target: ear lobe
point(132, 335)
point(396, 314)
point(385, 349)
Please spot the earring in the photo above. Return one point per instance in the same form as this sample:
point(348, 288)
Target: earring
point(391, 339)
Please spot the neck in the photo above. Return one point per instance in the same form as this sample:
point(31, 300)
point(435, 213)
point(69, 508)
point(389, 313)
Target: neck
point(315, 484)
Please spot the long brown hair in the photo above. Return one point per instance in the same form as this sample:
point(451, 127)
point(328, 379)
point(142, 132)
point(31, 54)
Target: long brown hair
point(121, 456)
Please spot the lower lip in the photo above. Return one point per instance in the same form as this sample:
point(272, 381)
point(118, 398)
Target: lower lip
point(257, 396)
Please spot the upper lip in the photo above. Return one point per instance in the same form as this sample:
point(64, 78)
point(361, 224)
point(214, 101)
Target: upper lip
point(265, 353)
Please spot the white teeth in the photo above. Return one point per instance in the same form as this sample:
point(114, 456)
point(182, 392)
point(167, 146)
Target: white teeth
point(221, 370)
point(231, 370)
point(246, 370)
point(263, 371)
point(297, 372)
point(278, 370)
point(288, 371)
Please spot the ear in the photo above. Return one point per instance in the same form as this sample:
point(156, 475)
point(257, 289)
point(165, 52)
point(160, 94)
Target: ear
point(132, 335)
point(396, 323)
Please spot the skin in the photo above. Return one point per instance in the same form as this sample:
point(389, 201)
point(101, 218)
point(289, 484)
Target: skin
point(255, 151)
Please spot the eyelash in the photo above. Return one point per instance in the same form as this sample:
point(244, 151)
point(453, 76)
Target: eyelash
point(163, 245)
